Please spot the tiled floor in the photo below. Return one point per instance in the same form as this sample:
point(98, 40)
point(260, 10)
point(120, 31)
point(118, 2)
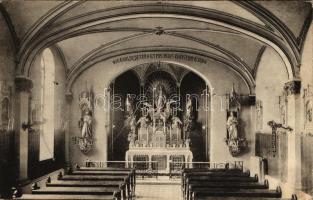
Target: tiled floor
point(158, 191)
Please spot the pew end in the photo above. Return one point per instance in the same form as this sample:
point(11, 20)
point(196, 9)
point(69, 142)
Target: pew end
point(48, 180)
point(266, 183)
point(60, 176)
point(35, 186)
point(279, 191)
point(294, 197)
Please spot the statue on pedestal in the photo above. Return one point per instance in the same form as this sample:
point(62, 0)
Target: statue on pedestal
point(236, 143)
point(86, 125)
point(176, 123)
point(160, 100)
point(232, 124)
point(143, 122)
point(85, 142)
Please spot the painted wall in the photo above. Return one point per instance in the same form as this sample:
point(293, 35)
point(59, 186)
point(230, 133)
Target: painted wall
point(101, 74)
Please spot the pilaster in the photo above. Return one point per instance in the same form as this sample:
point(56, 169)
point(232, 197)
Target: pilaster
point(292, 90)
point(69, 99)
point(23, 86)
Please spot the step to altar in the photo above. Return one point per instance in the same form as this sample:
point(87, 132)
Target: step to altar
point(160, 180)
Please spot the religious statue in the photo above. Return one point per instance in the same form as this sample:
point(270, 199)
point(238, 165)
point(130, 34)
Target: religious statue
point(160, 100)
point(143, 121)
point(132, 123)
point(235, 142)
point(188, 107)
point(86, 125)
point(232, 124)
point(129, 105)
point(85, 142)
point(309, 112)
point(176, 123)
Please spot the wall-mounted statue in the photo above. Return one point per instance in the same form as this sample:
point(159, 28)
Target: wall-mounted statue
point(188, 117)
point(234, 140)
point(232, 127)
point(6, 119)
point(85, 124)
point(259, 115)
point(308, 109)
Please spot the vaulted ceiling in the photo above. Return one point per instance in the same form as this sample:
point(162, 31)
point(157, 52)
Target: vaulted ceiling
point(235, 31)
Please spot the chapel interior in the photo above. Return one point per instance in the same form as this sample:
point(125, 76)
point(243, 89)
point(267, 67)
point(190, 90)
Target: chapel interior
point(182, 100)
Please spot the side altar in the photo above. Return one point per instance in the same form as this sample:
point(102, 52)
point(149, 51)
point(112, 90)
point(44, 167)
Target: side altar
point(159, 136)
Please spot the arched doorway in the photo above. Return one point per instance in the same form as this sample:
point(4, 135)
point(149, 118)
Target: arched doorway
point(140, 87)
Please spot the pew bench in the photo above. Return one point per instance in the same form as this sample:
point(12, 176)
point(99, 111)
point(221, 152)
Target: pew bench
point(78, 183)
point(78, 190)
point(203, 193)
point(226, 185)
point(65, 197)
point(107, 172)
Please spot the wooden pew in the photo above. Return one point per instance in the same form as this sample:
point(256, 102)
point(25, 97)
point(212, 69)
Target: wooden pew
point(231, 185)
point(77, 190)
point(203, 193)
point(109, 170)
point(78, 183)
point(216, 179)
point(65, 197)
point(127, 178)
point(213, 172)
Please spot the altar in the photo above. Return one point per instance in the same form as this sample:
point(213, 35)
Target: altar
point(161, 156)
point(158, 137)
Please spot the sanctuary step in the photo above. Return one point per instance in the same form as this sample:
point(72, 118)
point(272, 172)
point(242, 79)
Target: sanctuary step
point(101, 169)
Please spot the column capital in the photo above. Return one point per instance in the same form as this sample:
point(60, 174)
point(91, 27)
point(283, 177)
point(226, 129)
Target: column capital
point(69, 97)
point(292, 87)
point(23, 83)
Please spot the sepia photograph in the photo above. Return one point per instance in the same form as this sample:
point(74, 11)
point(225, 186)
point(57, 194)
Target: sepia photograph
point(156, 100)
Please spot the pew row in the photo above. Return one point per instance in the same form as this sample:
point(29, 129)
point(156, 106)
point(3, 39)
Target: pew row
point(202, 193)
point(208, 183)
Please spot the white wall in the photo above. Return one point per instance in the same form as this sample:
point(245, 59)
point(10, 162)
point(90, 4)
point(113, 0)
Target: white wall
point(270, 79)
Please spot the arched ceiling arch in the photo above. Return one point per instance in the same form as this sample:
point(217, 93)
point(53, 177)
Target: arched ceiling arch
point(72, 76)
point(74, 19)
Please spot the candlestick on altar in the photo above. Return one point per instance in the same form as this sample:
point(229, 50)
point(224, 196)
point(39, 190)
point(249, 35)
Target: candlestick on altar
point(153, 129)
point(164, 127)
point(170, 135)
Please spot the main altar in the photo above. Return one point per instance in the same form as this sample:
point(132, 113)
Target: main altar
point(158, 137)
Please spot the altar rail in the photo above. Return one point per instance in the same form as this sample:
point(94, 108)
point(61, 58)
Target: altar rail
point(177, 167)
point(143, 168)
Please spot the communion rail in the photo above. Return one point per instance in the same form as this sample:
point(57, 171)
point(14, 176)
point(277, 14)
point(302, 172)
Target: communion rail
point(151, 168)
point(176, 167)
point(143, 168)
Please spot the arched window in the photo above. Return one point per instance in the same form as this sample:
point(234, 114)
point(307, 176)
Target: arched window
point(47, 101)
